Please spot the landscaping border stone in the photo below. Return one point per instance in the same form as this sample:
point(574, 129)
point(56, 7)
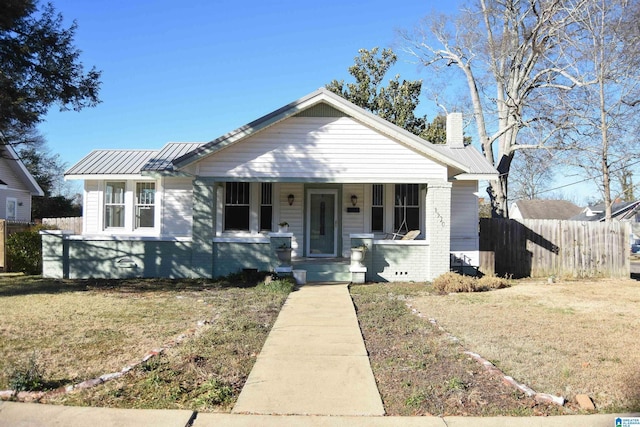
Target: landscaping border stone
point(539, 397)
point(35, 396)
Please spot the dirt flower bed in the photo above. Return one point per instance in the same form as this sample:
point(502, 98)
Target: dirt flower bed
point(419, 371)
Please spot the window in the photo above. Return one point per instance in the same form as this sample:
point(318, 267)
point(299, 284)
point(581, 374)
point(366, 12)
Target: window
point(377, 208)
point(12, 208)
point(266, 206)
point(145, 204)
point(114, 204)
point(236, 206)
point(406, 207)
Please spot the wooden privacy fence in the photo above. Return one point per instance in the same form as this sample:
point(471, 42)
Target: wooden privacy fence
point(543, 248)
point(73, 224)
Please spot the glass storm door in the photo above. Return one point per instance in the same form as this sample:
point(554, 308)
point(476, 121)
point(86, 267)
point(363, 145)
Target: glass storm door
point(322, 213)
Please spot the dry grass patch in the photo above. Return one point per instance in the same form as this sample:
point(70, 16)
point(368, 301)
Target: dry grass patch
point(418, 370)
point(578, 337)
point(82, 329)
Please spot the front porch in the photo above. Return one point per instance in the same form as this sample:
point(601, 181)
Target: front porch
point(384, 261)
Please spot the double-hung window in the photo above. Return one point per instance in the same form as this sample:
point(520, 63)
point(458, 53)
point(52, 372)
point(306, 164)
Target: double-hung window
point(114, 204)
point(145, 204)
point(406, 207)
point(236, 206)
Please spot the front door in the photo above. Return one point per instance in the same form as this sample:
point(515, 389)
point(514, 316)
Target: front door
point(322, 230)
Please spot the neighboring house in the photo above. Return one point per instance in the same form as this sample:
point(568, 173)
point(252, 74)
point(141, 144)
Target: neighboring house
point(340, 177)
point(622, 211)
point(17, 186)
point(543, 209)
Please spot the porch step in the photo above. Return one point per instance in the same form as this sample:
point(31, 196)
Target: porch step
point(325, 271)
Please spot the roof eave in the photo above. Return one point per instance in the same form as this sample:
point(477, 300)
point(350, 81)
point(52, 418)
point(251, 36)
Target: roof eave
point(71, 177)
point(34, 187)
point(475, 177)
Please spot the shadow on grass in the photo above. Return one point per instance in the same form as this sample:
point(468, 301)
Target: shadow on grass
point(32, 285)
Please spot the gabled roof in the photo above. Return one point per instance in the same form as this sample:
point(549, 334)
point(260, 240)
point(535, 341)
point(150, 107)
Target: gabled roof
point(466, 160)
point(9, 153)
point(619, 210)
point(129, 162)
point(547, 209)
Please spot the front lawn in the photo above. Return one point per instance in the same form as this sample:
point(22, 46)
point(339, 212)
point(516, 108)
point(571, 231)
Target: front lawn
point(78, 330)
point(564, 338)
point(567, 338)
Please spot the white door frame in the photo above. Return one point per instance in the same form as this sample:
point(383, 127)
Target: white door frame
point(334, 193)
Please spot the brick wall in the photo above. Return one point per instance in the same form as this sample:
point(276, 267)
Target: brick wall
point(438, 227)
point(397, 261)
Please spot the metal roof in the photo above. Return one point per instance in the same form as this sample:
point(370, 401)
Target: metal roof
point(131, 162)
point(175, 156)
point(469, 156)
point(163, 161)
point(112, 162)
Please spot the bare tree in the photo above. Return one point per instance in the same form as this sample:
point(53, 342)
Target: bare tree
point(602, 51)
point(531, 174)
point(505, 50)
point(624, 177)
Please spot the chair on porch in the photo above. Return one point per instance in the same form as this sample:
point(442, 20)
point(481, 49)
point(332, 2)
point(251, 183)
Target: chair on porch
point(410, 235)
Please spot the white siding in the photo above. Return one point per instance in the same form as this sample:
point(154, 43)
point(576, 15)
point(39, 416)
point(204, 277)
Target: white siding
point(292, 214)
point(464, 221)
point(352, 222)
point(91, 208)
point(177, 210)
point(333, 149)
point(23, 204)
point(9, 176)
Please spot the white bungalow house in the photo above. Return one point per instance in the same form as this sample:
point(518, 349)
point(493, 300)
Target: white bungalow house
point(338, 175)
point(17, 186)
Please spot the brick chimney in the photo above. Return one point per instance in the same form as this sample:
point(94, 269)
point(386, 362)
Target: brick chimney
point(455, 136)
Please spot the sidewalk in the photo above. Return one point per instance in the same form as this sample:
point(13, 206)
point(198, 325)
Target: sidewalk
point(314, 361)
point(14, 414)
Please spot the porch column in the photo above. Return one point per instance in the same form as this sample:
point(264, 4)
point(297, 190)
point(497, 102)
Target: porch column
point(203, 228)
point(438, 227)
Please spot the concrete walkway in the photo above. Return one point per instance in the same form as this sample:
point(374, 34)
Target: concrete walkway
point(314, 361)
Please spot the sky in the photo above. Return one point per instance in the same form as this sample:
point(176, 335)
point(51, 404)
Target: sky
point(194, 70)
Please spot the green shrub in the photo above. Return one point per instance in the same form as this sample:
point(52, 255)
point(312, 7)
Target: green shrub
point(27, 376)
point(24, 251)
point(454, 282)
point(213, 392)
point(283, 285)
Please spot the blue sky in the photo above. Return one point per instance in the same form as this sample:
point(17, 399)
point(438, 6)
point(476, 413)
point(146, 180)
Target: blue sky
point(194, 70)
